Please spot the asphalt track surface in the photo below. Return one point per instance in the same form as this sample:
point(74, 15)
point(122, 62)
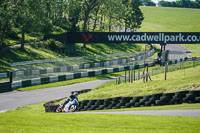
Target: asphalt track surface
point(177, 47)
point(183, 113)
point(15, 99)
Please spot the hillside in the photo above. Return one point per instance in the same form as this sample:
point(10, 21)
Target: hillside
point(166, 19)
point(38, 52)
point(189, 81)
point(157, 19)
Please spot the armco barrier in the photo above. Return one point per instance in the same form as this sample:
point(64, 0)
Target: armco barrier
point(22, 74)
point(70, 76)
point(131, 102)
point(5, 87)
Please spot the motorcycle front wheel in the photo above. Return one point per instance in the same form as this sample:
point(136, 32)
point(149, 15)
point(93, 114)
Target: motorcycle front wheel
point(73, 108)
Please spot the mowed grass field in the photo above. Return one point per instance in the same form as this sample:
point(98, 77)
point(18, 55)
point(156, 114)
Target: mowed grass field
point(167, 19)
point(32, 119)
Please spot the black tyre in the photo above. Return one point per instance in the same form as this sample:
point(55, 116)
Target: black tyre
point(138, 104)
point(195, 93)
point(157, 96)
point(93, 107)
point(92, 102)
point(101, 107)
point(148, 103)
point(128, 105)
point(136, 99)
point(117, 98)
point(170, 95)
point(84, 103)
point(159, 102)
point(153, 99)
point(100, 102)
point(181, 94)
point(126, 99)
point(197, 99)
point(177, 101)
point(108, 100)
point(189, 98)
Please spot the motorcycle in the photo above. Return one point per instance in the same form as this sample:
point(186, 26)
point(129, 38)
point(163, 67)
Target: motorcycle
point(71, 106)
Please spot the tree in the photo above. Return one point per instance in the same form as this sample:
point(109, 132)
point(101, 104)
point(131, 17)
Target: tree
point(88, 6)
point(6, 21)
point(29, 17)
point(113, 12)
point(74, 12)
point(180, 3)
point(147, 3)
point(197, 3)
point(133, 15)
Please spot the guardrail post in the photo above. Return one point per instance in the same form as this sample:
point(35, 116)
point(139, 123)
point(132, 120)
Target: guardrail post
point(11, 76)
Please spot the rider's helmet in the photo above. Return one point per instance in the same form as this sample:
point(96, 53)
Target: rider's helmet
point(75, 94)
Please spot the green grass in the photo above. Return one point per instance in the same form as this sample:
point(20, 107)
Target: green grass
point(167, 19)
point(30, 53)
point(33, 119)
point(176, 81)
point(195, 48)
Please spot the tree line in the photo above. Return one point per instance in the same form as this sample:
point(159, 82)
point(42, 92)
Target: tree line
point(38, 17)
point(180, 3)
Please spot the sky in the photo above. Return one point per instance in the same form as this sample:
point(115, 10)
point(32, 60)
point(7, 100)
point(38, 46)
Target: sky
point(156, 1)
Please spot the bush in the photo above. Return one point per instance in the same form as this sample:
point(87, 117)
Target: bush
point(55, 46)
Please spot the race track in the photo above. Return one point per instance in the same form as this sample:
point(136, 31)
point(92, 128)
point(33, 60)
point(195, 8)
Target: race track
point(15, 99)
point(183, 113)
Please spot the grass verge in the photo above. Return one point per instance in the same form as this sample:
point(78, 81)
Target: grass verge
point(195, 48)
point(32, 119)
point(187, 79)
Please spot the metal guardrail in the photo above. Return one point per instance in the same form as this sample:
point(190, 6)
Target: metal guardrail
point(29, 70)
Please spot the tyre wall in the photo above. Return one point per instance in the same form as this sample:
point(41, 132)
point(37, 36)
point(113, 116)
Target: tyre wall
point(131, 102)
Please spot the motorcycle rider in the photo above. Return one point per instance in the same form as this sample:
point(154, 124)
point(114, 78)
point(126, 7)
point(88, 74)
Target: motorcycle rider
point(70, 98)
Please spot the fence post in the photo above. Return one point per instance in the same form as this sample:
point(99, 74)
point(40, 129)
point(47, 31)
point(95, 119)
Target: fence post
point(166, 71)
point(119, 82)
point(131, 75)
point(138, 74)
point(147, 73)
point(125, 76)
point(152, 72)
